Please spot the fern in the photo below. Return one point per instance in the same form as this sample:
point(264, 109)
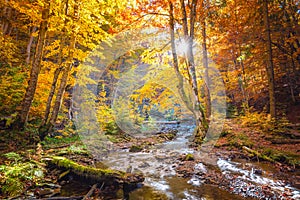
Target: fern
point(13, 156)
point(14, 176)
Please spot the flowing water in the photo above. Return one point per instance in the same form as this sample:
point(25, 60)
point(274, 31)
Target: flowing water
point(158, 165)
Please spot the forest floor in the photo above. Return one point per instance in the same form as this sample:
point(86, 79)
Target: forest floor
point(282, 149)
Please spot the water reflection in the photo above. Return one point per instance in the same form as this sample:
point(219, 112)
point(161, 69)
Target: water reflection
point(180, 189)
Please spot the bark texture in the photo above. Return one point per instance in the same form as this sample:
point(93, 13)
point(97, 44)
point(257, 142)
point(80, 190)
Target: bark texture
point(35, 69)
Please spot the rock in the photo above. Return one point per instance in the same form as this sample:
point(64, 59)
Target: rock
point(258, 171)
point(129, 169)
point(135, 148)
point(144, 165)
point(63, 183)
point(160, 157)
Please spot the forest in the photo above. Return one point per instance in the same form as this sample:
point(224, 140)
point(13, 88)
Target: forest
point(150, 99)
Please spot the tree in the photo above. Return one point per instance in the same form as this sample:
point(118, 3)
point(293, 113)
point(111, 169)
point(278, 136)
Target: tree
point(79, 35)
point(270, 67)
point(67, 68)
point(189, 36)
point(181, 18)
point(205, 59)
point(36, 67)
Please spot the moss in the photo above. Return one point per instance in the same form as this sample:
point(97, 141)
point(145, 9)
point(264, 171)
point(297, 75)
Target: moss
point(239, 140)
point(283, 157)
point(85, 170)
point(50, 142)
point(107, 175)
point(273, 155)
point(189, 157)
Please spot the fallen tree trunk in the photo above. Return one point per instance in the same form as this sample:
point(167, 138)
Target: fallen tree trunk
point(109, 176)
point(257, 154)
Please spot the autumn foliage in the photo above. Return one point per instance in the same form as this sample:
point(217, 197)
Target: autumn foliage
point(254, 44)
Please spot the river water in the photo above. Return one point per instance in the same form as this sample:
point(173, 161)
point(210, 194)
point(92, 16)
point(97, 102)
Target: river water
point(158, 164)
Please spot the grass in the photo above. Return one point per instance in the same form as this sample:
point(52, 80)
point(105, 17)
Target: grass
point(239, 140)
point(50, 142)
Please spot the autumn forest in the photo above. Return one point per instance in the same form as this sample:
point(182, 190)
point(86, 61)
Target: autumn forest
point(158, 99)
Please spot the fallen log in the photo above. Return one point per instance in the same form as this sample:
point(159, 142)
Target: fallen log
point(109, 176)
point(257, 154)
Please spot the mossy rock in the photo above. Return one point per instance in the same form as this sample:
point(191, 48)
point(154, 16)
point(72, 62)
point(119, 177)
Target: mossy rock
point(189, 157)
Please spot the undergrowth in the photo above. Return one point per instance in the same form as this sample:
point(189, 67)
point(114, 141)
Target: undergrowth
point(19, 173)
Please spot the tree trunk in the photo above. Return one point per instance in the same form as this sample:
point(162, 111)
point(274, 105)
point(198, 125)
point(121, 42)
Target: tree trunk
point(270, 67)
point(28, 49)
point(35, 69)
point(51, 94)
point(65, 73)
point(6, 19)
point(55, 78)
point(195, 108)
point(198, 110)
point(45, 125)
point(181, 91)
point(109, 176)
point(206, 75)
point(63, 83)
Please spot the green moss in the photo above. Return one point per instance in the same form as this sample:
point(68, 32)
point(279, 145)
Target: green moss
point(85, 170)
point(189, 157)
point(274, 155)
point(50, 142)
point(240, 140)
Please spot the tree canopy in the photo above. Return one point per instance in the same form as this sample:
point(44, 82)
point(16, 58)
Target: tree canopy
point(47, 45)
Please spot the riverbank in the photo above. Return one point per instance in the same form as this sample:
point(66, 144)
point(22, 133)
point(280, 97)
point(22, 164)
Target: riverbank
point(239, 166)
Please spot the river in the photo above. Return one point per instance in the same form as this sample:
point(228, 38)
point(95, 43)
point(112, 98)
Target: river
point(160, 162)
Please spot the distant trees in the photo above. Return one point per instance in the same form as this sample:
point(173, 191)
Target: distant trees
point(254, 43)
